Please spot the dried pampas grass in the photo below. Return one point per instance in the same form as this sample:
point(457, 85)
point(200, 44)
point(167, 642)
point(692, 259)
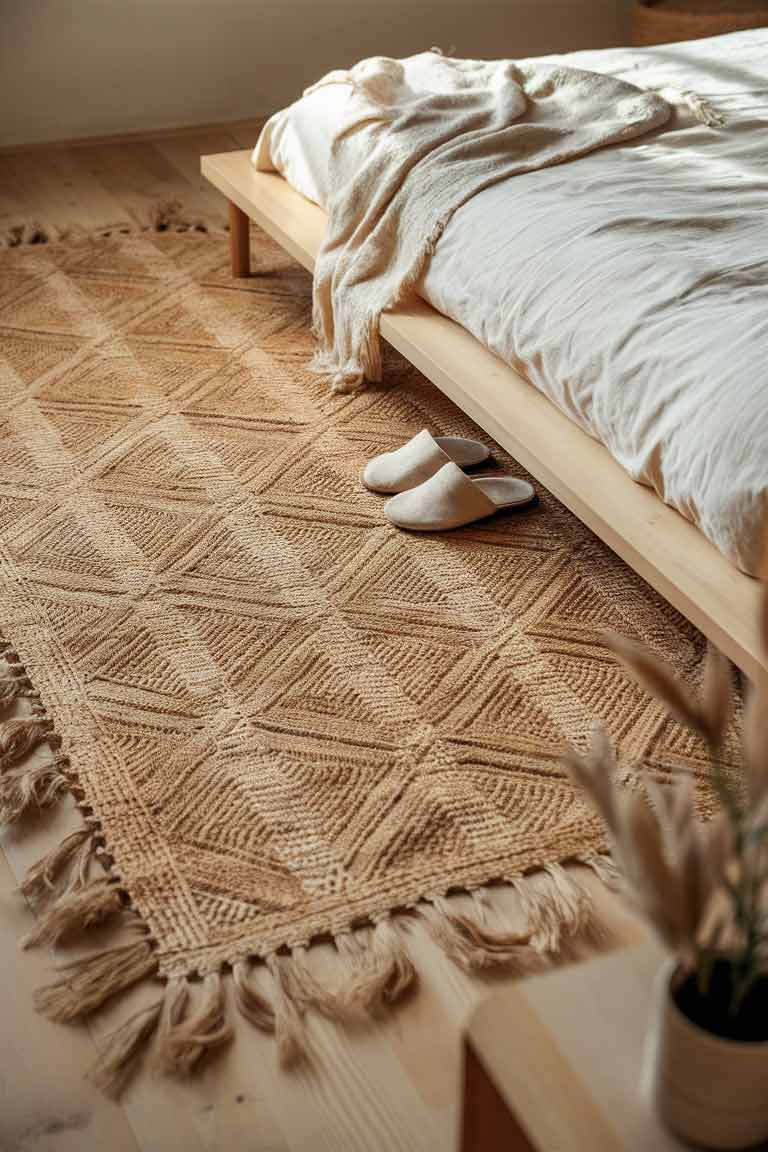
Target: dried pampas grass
point(702, 887)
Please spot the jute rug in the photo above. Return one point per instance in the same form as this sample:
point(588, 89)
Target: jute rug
point(283, 719)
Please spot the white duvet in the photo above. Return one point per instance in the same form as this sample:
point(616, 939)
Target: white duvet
point(631, 285)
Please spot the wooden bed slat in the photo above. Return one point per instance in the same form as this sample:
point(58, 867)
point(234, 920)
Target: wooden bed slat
point(653, 539)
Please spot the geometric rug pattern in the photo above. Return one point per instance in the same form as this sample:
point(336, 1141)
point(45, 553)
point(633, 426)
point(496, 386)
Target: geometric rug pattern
point(286, 714)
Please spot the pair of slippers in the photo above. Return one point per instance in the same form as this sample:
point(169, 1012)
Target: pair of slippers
point(433, 493)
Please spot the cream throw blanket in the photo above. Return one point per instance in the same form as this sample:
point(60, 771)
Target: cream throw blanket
point(454, 128)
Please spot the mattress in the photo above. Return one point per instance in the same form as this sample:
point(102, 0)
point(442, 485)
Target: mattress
point(630, 286)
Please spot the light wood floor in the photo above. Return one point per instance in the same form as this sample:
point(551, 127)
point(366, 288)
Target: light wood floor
point(393, 1087)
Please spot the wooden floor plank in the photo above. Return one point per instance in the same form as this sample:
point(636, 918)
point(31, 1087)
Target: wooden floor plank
point(245, 132)
point(57, 192)
point(184, 154)
point(21, 198)
point(136, 174)
point(45, 1102)
point(88, 202)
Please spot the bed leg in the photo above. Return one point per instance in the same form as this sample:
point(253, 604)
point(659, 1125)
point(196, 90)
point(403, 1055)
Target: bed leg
point(239, 241)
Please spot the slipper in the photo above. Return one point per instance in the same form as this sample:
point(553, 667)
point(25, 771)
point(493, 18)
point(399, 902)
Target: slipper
point(419, 459)
point(449, 499)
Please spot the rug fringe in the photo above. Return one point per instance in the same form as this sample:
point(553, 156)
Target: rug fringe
point(12, 688)
point(475, 947)
point(556, 906)
point(378, 972)
point(384, 971)
point(64, 869)
point(307, 991)
point(290, 1030)
point(39, 787)
point(123, 1049)
point(172, 1012)
point(82, 986)
point(186, 1036)
point(605, 870)
point(192, 1018)
point(164, 216)
point(19, 737)
point(250, 1002)
point(73, 911)
point(375, 968)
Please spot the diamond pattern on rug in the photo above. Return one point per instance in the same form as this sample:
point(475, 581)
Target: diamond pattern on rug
point(287, 716)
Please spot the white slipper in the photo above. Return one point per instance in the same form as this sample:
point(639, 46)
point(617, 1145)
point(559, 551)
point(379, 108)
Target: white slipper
point(449, 499)
point(419, 459)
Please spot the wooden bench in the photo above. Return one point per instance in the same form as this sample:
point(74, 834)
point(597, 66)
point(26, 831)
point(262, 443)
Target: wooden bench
point(556, 1061)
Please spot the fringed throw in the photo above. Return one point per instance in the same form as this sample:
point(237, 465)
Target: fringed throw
point(438, 131)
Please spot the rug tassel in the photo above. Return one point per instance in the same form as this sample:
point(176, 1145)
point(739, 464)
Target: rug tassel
point(383, 971)
point(84, 985)
point(290, 1032)
point(251, 1004)
point(306, 991)
point(43, 879)
point(556, 906)
point(473, 946)
point(38, 786)
point(119, 1057)
point(74, 911)
point(172, 1011)
point(11, 688)
point(605, 869)
point(18, 737)
point(187, 1038)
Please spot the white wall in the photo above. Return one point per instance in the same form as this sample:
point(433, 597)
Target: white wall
point(71, 68)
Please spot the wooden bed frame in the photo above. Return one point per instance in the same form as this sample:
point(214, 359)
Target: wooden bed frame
point(658, 543)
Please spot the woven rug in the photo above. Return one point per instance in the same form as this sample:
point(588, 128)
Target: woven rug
point(283, 719)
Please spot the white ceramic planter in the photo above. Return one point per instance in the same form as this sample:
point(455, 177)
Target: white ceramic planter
point(709, 1091)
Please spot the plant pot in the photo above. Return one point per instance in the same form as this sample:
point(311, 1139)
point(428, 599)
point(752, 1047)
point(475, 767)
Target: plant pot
point(708, 1090)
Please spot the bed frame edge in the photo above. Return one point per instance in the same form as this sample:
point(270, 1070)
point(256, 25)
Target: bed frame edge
point(667, 551)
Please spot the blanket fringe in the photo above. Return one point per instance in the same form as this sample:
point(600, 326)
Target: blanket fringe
point(703, 109)
point(347, 376)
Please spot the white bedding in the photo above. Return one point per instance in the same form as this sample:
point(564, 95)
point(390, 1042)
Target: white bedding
point(631, 285)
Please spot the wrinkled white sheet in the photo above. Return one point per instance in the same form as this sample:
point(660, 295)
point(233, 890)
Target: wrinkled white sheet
point(630, 286)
